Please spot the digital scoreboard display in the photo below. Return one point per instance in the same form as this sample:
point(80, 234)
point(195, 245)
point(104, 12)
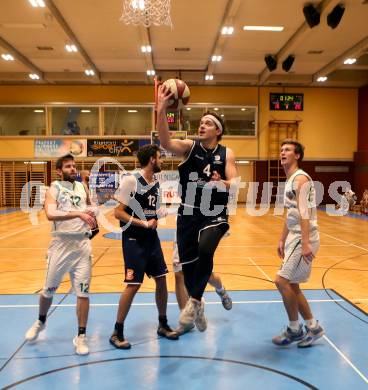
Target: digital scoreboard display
point(171, 117)
point(286, 101)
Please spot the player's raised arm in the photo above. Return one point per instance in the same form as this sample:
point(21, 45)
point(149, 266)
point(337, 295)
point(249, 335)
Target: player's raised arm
point(179, 147)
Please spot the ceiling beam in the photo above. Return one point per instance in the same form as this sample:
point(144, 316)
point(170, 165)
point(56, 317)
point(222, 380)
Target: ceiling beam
point(68, 31)
point(145, 40)
point(354, 52)
point(293, 41)
point(228, 18)
point(23, 59)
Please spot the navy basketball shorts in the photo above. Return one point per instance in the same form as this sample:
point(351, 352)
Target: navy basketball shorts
point(142, 255)
point(189, 228)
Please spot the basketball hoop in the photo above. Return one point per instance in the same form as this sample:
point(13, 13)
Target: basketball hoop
point(146, 12)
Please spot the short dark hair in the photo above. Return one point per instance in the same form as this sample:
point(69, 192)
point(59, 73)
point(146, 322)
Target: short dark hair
point(60, 161)
point(146, 152)
point(219, 119)
point(298, 147)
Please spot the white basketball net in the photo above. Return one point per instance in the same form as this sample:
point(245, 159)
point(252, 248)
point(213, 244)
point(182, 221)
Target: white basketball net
point(146, 12)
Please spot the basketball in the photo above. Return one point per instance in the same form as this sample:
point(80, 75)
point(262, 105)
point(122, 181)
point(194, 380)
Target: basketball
point(181, 93)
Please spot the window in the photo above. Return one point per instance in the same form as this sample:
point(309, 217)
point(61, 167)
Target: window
point(239, 121)
point(22, 121)
point(74, 120)
point(128, 120)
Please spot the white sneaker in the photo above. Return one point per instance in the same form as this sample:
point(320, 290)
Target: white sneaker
point(187, 315)
point(81, 346)
point(200, 319)
point(181, 329)
point(34, 330)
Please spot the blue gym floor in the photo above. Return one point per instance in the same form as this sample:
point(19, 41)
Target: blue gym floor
point(234, 353)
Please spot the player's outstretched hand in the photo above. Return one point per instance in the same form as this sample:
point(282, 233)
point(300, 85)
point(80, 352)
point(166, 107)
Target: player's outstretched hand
point(163, 96)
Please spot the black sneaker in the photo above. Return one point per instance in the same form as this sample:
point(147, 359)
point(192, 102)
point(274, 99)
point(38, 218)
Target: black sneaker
point(119, 343)
point(164, 330)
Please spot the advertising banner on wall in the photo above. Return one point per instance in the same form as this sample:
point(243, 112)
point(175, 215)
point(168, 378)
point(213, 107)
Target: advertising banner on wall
point(60, 147)
point(169, 185)
point(113, 147)
point(104, 185)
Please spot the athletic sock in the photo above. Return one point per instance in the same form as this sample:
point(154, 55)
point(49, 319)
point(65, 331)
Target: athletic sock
point(81, 330)
point(294, 326)
point(42, 318)
point(311, 323)
point(220, 290)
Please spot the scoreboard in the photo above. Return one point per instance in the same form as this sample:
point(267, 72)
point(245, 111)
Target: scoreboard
point(286, 101)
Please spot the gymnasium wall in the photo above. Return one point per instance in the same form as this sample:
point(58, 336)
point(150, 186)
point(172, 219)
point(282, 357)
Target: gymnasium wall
point(361, 155)
point(328, 128)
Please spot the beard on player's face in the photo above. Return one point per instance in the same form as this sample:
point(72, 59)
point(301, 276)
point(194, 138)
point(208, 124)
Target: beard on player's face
point(156, 168)
point(69, 176)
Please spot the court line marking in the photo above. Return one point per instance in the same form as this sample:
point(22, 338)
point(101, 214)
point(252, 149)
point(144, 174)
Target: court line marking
point(259, 269)
point(327, 339)
point(174, 303)
point(365, 379)
point(347, 242)
point(22, 230)
point(170, 245)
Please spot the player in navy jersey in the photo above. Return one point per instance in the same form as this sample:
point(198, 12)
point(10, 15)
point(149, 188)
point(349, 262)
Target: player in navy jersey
point(206, 175)
point(138, 197)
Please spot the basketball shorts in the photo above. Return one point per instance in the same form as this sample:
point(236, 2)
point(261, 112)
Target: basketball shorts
point(71, 256)
point(294, 268)
point(142, 255)
point(189, 228)
point(177, 267)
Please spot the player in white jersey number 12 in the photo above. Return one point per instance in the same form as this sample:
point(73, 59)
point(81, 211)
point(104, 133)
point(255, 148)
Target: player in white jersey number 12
point(67, 207)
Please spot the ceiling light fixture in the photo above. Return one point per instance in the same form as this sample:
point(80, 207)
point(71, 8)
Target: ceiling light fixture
point(138, 4)
point(208, 77)
point(86, 111)
point(38, 111)
point(37, 3)
point(216, 58)
point(146, 49)
point(7, 57)
point(350, 61)
point(227, 30)
point(71, 48)
point(89, 72)
point(150, 72)
point(322, 79)
point(132, 111)
point(263, 28)
point(34, 76)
